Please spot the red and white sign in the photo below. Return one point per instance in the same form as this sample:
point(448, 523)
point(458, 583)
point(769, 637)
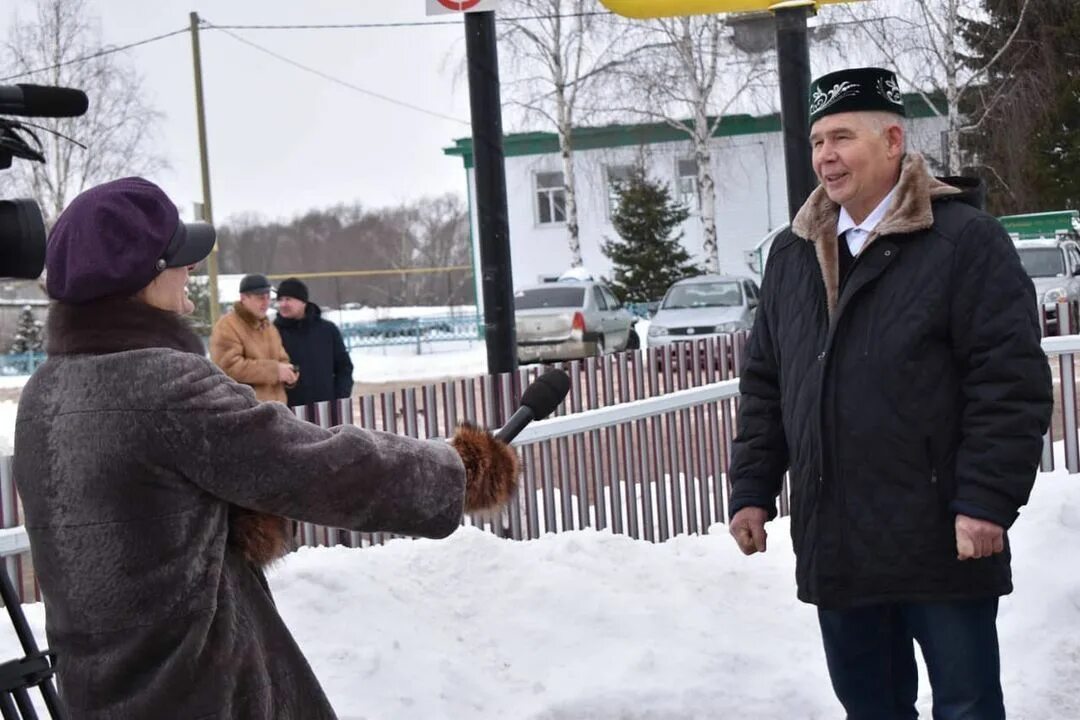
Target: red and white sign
point(454, 7)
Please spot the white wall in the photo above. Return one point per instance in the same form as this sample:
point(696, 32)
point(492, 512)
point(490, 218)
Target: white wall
point(750, 188)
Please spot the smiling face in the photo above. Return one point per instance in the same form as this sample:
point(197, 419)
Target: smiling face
point(857, 157)
point(290, 307)
point(168, 291)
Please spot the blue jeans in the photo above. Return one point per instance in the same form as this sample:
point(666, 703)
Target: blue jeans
point(871, 658)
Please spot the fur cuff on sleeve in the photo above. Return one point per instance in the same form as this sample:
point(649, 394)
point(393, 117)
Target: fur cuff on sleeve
point(491, 467)
point(260, 537)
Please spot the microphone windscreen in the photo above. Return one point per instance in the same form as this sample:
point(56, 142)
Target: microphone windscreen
point(45, 101)
point(546, 392)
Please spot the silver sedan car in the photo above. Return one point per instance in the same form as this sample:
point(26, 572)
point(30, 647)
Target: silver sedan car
point(568, 320)
point(703, 306)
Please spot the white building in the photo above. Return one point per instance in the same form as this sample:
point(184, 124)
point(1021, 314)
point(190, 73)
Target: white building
point(748, 166)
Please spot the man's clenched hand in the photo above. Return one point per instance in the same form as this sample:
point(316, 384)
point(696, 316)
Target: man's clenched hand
point(977, 538)
point(748, 529)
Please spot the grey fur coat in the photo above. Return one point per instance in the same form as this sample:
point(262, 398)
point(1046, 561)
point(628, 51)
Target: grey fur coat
point(134, 456)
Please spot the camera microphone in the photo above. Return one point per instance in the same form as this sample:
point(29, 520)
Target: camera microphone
point(537, 402)
point(42, 101)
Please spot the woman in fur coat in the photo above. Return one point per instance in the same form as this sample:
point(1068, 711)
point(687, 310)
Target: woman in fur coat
point(156, 488)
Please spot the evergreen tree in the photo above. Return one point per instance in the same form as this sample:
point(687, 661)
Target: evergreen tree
point(648, 256)
point(28, 333)
point(1026, 146)
point(1056, 174)
point(199, 294)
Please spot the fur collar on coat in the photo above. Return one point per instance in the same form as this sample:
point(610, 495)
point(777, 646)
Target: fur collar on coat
point(911, 211)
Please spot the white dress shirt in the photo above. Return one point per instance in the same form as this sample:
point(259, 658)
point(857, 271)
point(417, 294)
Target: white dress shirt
point(857, 233)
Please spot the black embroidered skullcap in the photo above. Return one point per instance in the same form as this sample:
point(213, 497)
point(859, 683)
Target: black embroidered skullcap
point(855, 90)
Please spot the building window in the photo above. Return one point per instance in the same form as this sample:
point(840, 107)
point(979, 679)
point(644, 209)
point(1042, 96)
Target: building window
point(616, 174)
point(550, 198)
point(687, 183)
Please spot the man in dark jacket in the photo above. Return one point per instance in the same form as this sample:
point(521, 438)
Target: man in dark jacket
point(314, 345)
point(895, 371)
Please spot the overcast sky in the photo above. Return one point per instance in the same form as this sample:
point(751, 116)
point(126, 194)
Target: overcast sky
point(282, 140)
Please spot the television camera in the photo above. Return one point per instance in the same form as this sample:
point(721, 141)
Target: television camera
point(22, 256)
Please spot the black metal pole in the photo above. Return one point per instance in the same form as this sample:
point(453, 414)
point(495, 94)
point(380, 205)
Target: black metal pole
point(793, 60)
point(490, 173)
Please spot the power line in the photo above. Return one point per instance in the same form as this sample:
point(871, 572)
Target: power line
point(333, 79)
point(99, 53)
point(417, 23)
point(343, 26)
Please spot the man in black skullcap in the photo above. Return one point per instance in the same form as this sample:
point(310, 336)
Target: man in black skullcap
point(895, 372)
point(314, 345)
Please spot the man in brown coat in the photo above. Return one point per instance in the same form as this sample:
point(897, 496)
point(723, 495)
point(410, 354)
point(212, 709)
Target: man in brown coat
point(247, 346)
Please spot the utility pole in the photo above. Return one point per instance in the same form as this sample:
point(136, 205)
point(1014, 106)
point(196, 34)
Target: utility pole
point(208, 212)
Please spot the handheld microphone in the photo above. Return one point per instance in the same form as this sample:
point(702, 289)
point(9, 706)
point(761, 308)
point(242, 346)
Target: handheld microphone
point(42, 101)
point(537, 402)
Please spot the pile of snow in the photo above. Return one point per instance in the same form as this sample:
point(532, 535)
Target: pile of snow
point(587, 624)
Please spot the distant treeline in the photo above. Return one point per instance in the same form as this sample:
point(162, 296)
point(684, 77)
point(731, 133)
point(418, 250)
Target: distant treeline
point(426, 233)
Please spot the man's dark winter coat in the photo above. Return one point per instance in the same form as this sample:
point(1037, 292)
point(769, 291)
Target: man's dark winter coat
point(915, 391)
point(315, 346)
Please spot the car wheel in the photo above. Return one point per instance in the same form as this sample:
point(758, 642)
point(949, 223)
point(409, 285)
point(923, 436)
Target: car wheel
point(600, 347)
point(633, 342)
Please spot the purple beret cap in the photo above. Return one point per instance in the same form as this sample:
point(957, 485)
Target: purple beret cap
point(115, 238)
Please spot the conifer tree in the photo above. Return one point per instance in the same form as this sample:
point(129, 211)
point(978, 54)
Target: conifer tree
point(28, 333)
point(648, 255)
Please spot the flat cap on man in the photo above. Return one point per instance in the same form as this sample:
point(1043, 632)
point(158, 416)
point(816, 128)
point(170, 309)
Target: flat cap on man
point(255, 284)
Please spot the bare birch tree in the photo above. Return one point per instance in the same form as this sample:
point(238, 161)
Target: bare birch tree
point(118, 127)
point(688, 73)
point(555, 51)
point(922, 41)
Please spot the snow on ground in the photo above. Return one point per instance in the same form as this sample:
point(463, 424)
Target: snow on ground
point(7, 426)
point(388, 363)
point(13, 381)
point(588, 625)
point(371, 314)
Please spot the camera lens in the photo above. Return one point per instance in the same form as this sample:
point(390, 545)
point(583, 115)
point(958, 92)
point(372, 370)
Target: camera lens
point(22, 239)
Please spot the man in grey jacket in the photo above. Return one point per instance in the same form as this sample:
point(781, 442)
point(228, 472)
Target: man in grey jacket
point(156, 488)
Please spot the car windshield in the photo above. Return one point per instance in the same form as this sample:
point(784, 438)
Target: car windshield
point(549, 297)
point(1043, 262)
point(698, 295)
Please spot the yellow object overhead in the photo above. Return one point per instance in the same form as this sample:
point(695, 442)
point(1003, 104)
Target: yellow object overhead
point(669, 8)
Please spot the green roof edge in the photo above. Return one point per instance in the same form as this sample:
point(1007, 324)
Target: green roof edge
point(590, 138)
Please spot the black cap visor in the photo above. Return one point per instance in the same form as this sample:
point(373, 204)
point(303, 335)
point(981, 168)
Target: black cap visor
point(190, 244)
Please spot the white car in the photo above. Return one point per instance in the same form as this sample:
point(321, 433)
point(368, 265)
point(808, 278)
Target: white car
point(1054, 269)
point(703, 306)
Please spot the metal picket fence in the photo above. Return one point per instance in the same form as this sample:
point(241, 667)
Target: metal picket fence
point(640, 446)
